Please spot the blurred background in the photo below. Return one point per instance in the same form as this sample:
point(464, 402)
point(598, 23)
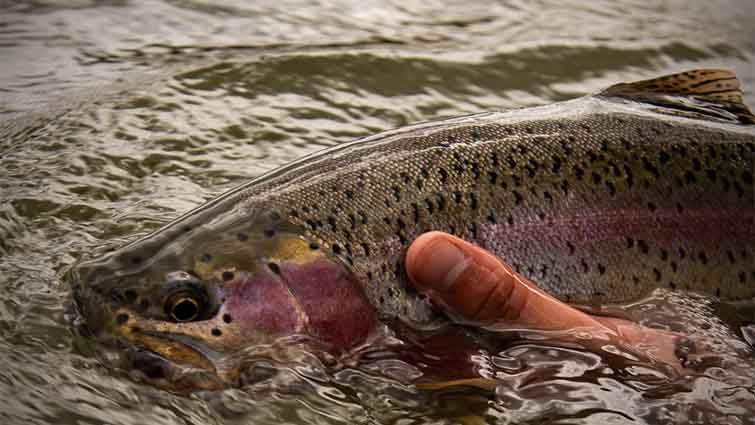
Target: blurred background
point(116, 116)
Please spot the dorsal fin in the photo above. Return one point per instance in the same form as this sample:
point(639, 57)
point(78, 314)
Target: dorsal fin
point(711, 92)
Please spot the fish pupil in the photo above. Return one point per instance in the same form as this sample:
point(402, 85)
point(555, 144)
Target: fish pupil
point(185, 309)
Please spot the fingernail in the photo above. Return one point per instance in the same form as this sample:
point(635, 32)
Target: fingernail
point(436, 264)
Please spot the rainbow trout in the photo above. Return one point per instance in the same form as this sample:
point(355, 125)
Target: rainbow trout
point(643, 185)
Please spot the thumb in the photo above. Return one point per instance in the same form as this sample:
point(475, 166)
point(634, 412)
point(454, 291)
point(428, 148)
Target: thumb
point(473, 285)
point(470, 283)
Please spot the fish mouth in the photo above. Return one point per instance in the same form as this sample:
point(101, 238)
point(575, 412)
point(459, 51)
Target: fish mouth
point(151, 368)
point(168, 362)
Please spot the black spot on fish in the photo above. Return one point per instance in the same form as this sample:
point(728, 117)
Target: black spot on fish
point(517, 197)
point(679, 208)
point(415, 213)
point(742, 277)
point(585, 266)
point(672, 285)
point(242, 237)
point(629, 176)
point(491, 218)
point(396, 193)
point(274, 268)
point(530, 170)
point(747, 177)
point(269, 233)
point(643, 246)
point(216, 332)
point(186, 229)
point(472, 227)
point(732, 258)
point(703, 258)
point(332, 222)
point(227, 275)
point(601, 269)
point(657, 274)
point(664, 157)
point(690, 177)
point(738, 188)
point(475, 171)
point(336, 249)
point(651, 207)
point(121, 319)
point(596, 178)
point(312, 224)
point(510, 220)
point(664, 255)
point(143, 305)
point(630, 242)
point(400, 223)
point(441, 202)
point(443, 175)
point(227, 318)
point(718, 292)
point(456, 196)
point(349, 193)
point(696, 164)
point(293, 214)
point(136, 260)
point(578, 172)
point(130, 295)
point(682, 253)
point(366, 249)
point(571, 248)
point(650, 168)
point(429, 206)
point(314, 246)
point(556, 167)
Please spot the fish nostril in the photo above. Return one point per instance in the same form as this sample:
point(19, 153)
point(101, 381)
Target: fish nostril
point(121, 319)
point(130, 295)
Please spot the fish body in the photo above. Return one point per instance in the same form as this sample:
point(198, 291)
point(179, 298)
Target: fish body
point(603, 197)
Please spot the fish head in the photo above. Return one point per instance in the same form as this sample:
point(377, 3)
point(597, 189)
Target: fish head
point(177, 307)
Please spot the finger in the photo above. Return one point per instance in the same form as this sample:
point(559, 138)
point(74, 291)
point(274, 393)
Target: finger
point(474, 285)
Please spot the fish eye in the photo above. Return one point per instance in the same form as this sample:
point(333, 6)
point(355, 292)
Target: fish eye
point(185, 299)
point(184, 308)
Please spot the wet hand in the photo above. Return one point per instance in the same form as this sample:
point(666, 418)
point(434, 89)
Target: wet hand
point(475, 287)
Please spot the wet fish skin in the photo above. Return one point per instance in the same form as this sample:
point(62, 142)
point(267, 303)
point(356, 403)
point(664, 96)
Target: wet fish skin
point(605, 197)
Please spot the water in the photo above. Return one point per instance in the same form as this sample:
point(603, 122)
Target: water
point(116, 116)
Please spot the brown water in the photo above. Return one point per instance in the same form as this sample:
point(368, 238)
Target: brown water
point(116, 116)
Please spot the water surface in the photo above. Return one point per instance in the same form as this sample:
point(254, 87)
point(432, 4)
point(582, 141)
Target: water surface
point(116, 116)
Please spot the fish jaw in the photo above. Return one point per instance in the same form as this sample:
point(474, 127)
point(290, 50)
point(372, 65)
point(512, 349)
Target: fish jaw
point(248, 306)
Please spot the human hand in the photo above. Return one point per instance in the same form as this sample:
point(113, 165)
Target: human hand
point(477, 288)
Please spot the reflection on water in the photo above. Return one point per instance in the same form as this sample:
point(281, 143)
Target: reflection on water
point(116, 116)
